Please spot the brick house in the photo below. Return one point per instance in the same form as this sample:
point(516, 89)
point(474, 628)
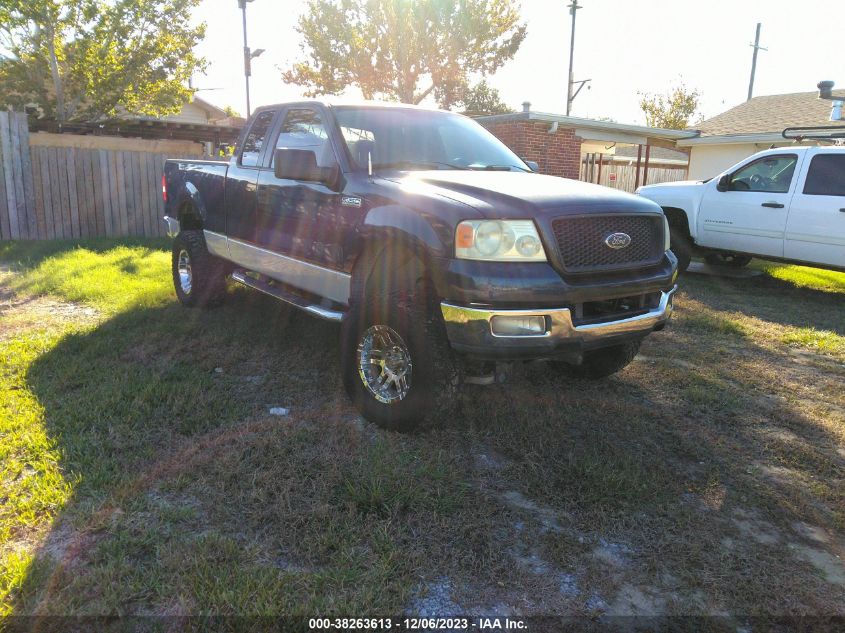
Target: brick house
point(558, 143)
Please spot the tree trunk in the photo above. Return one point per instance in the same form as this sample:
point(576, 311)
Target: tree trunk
point(58, 86)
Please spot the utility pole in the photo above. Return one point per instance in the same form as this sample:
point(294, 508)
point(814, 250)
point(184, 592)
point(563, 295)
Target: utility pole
point(756, 46)
point(570, 84)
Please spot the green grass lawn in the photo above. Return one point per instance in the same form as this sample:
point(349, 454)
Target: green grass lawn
point(142, 473)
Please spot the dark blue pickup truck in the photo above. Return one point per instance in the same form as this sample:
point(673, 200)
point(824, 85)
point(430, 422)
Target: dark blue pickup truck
point(434, 246)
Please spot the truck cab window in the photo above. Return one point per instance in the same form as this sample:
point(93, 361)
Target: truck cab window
point(826, 176)
point(303, 129)
point(772, 174)
point(254, 141)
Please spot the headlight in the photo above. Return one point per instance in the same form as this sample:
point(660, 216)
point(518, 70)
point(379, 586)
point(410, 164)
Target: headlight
point(499, 241)
point(667, 236)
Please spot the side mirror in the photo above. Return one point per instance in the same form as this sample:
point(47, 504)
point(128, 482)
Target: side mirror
point(301, 164)
point(532, 164)
point(724, 183)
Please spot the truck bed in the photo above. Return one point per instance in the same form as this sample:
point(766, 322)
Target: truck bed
point(202, 180)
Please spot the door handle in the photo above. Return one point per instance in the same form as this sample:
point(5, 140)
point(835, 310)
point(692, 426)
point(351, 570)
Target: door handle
point(772, 205)
point(841, 210)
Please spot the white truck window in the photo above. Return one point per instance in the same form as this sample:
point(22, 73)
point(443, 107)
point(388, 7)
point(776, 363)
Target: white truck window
point(826, 176)
point(772, 174)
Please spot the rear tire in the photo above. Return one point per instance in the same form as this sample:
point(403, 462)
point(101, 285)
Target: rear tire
point(727, 259)
point(198, 276)
point(600, 363)
point(397, 337)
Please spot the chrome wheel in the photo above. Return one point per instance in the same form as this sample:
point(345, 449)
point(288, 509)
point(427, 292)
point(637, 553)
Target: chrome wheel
point(185, 275)
point(384, 364)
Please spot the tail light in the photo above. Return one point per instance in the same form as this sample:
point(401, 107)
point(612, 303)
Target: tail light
point(163, 188)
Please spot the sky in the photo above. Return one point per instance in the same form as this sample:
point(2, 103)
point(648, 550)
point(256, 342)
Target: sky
point(625, 47)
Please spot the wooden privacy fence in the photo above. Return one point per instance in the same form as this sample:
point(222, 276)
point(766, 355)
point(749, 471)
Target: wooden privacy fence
point(624, 175)
point(55, 186)
point(17, 191)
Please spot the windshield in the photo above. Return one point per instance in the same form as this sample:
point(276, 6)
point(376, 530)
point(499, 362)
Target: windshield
point(419, 139)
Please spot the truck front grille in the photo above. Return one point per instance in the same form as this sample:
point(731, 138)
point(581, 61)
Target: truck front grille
point(582, 242)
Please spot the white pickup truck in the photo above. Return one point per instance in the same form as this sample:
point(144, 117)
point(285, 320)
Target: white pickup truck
point(785, 204)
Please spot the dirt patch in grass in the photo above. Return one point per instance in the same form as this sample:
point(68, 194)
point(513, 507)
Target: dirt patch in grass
point(42, 313)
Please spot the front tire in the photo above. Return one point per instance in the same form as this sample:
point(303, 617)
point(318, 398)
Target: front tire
point(398, 367)
point(198, 276)
point(681, 246)
point(600, 363)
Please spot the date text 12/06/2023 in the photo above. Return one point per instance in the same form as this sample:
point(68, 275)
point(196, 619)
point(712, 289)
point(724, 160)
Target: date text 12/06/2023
point(418, 624)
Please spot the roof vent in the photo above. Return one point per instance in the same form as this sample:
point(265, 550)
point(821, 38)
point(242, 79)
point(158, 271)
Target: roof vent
point(526, 106)
point(826, 92)
point(825, 89)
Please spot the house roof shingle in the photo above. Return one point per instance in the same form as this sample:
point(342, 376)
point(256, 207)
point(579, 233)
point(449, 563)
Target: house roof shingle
point(771, 114)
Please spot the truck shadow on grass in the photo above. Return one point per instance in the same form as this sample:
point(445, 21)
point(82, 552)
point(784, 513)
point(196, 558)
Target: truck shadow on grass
point(700, 480)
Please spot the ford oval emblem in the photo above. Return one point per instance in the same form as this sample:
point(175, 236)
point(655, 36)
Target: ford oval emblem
point(618, 240)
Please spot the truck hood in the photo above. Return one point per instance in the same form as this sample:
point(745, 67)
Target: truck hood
point(503, 194)
point(671, 185)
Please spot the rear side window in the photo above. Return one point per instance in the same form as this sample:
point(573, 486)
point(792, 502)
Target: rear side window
point(826, 176)
point(254, 142)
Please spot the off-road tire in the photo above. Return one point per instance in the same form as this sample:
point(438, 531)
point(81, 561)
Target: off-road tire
point(207, 272)
point(600, 363)
point(681, 247)
point(412, 313)
point(727, 259)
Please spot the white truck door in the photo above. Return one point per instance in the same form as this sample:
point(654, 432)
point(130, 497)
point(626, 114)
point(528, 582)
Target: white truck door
point(749, 213)
point(815, 230)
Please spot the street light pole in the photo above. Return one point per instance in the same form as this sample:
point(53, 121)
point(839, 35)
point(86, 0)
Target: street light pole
point(247, 55)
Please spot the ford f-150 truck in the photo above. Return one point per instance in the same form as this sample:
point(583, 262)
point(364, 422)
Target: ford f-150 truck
point(785, 204)
point(429, 240)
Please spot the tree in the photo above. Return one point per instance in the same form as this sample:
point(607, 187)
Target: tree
point(231, 112)
point(83, 60)
point(672, 110)
point(403, 50)
point(482, 99)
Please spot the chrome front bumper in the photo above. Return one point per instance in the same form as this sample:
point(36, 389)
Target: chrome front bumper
point(470, 330)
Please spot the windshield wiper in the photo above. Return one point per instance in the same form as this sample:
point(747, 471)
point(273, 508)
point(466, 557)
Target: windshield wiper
point(496, 167)
point(416, 164)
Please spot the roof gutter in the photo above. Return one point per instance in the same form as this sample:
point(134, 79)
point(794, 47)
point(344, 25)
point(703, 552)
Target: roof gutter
point(731, 139)
point(591, 124)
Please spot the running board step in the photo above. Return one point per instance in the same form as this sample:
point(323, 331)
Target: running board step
point(288, 297)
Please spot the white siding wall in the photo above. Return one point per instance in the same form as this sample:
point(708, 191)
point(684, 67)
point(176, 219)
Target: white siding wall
point(707, 161)
point(191, 113)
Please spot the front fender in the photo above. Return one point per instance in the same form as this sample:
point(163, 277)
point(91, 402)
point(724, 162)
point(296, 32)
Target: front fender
point(686, 199)
point(417, 231)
